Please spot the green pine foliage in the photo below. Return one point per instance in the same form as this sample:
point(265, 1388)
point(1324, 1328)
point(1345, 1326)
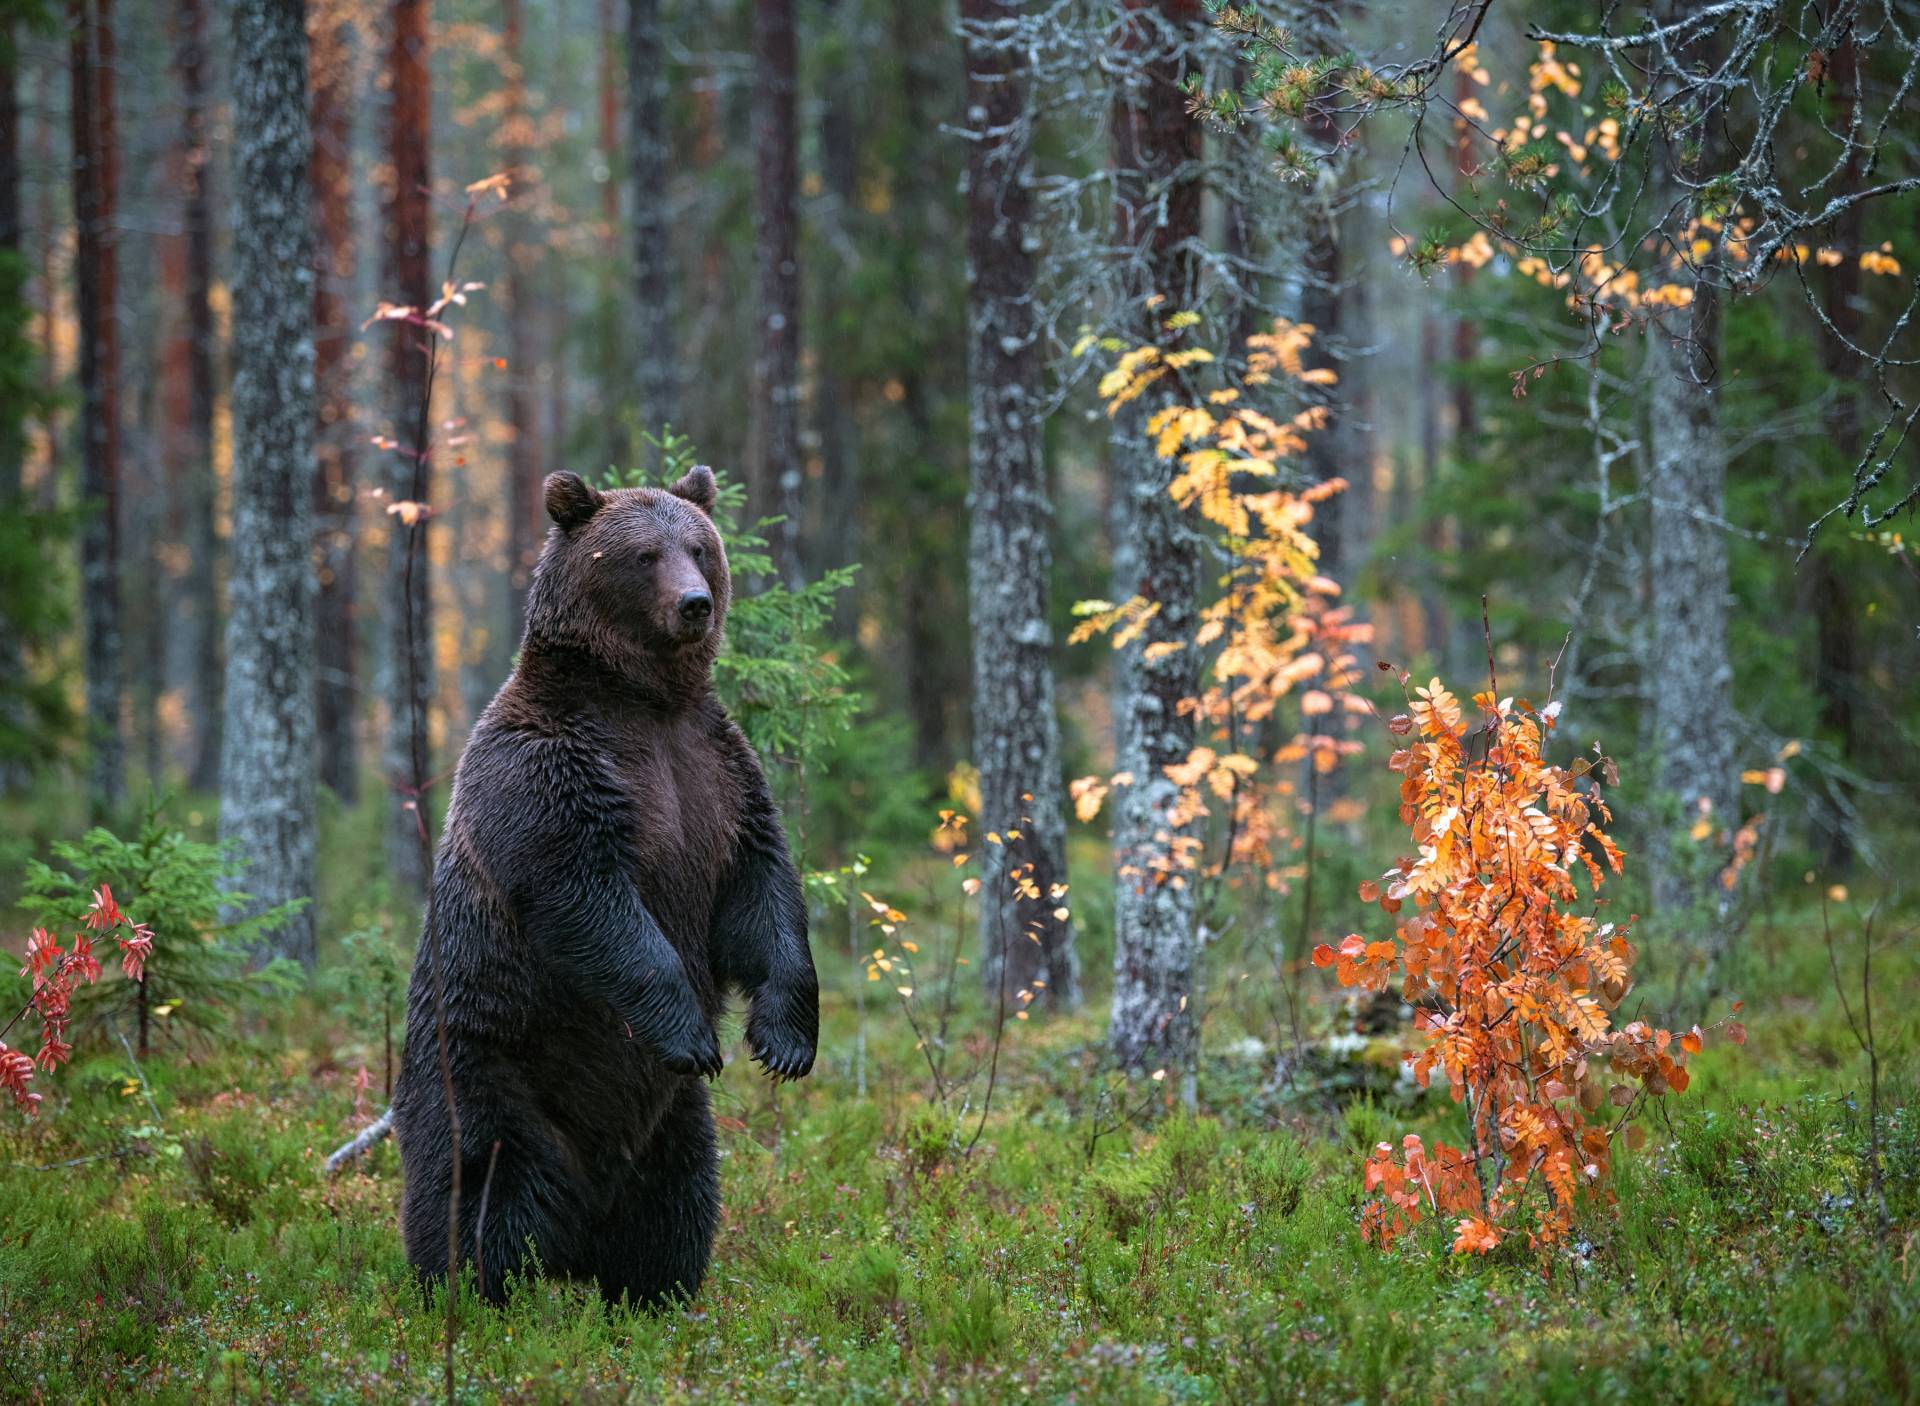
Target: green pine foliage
point(201, 974)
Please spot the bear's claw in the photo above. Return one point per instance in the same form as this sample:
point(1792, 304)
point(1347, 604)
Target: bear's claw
point(697, 1053)
point(785, 1064)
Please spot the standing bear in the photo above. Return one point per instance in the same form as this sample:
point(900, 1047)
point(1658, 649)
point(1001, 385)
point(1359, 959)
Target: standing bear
point(612, 865)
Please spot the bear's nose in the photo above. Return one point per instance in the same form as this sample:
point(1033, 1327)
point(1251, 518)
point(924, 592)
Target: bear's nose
point(695, 606)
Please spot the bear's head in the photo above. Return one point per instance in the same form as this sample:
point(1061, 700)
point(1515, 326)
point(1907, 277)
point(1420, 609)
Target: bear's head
point(635, 577)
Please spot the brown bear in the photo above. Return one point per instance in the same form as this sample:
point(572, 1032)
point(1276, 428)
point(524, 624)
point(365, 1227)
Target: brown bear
point(612, 865)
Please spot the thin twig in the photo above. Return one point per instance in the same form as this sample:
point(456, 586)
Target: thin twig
point(140, 1074)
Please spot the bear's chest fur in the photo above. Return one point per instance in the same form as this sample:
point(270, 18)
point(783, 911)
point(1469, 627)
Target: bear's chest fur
point(683, 824)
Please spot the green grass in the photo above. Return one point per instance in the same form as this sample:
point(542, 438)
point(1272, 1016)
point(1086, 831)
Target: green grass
point(865, 1256)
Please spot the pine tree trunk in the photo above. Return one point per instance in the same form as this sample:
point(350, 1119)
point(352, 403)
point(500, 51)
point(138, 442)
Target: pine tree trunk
point(14, 772)
point(1016, 733)
point(407, 623)
point(1156, 148)
point(524, 460)
point(1836, 659)
point(336, 438)
point(267, 770)
point(607, 103)
point(832, 530)
point(96, 179)
point(1322, 302)
point(1690, 676)
point(206, 671)
point(1324, 294)
point(649, 155)
point(773, 464)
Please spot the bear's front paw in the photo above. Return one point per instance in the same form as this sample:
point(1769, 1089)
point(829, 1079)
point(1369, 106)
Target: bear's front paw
point(783, 1026)
point(694, 1049)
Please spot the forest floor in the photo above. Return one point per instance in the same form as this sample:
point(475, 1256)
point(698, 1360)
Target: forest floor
point(187, 1247)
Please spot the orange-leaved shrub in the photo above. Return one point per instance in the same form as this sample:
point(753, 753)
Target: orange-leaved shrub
point(1512, 974)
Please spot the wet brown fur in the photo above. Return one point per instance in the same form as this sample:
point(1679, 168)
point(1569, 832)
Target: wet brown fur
point(612, 865)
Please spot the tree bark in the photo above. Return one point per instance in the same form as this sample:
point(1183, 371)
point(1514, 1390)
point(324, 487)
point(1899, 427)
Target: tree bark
point(1156, 150)
point(832, 530)
point(649, 155)
point(407, 624)
point(1690, 677)
point(524, 460)
point(1322, 302)
point(14, 771)
point(1835, 612)
point(773, 465)
point(1016, 732)
point(206, 670)
point(336, 440)
point(267, 770)
point(607, 101)
point(96, 179)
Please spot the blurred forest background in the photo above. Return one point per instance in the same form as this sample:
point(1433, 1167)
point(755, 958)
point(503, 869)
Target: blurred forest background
point(751, 222)
point(1586, 362)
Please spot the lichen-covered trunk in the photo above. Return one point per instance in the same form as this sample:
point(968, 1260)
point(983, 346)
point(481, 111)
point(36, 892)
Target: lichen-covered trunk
point(773, 465)
point(406, 627)
point(649, 156)
point(267, 765)
point(1016, 733)
point(1156, 151)
point(336, 438)
point(1690, 680)
point(96, 180)
point(204, 623)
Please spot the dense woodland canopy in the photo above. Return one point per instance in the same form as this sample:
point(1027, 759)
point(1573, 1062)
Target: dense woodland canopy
point(1124, 408)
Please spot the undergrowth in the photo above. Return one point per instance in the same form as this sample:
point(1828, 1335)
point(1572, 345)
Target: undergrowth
point(1092, 1247)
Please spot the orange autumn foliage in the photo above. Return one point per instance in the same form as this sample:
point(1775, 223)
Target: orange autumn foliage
point(1512, 975)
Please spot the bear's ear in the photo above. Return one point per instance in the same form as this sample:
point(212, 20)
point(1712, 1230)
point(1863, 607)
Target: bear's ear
point(697, 488)
point(570, 501)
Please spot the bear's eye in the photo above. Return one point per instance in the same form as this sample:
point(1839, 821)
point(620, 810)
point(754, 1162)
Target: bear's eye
point(649, 558)
point(699, 552)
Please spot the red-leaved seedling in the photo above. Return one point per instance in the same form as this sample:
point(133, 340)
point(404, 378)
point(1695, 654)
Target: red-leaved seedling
point(56, 973)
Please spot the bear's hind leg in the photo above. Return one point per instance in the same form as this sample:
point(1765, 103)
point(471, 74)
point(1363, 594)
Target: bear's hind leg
point(657, 1235)
point(524, 1216)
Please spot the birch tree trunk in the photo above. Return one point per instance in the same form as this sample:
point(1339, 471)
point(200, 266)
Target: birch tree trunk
point(1016, 733)
point(206, 674)
point(267, 765)
point(407, 624)
point(336, 440)
point(96, 180)
point(1156, 150)
point(649, 154)
point(1690, 678)
point(773, 469)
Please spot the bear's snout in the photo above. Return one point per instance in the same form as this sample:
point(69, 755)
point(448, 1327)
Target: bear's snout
point(696, 607)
